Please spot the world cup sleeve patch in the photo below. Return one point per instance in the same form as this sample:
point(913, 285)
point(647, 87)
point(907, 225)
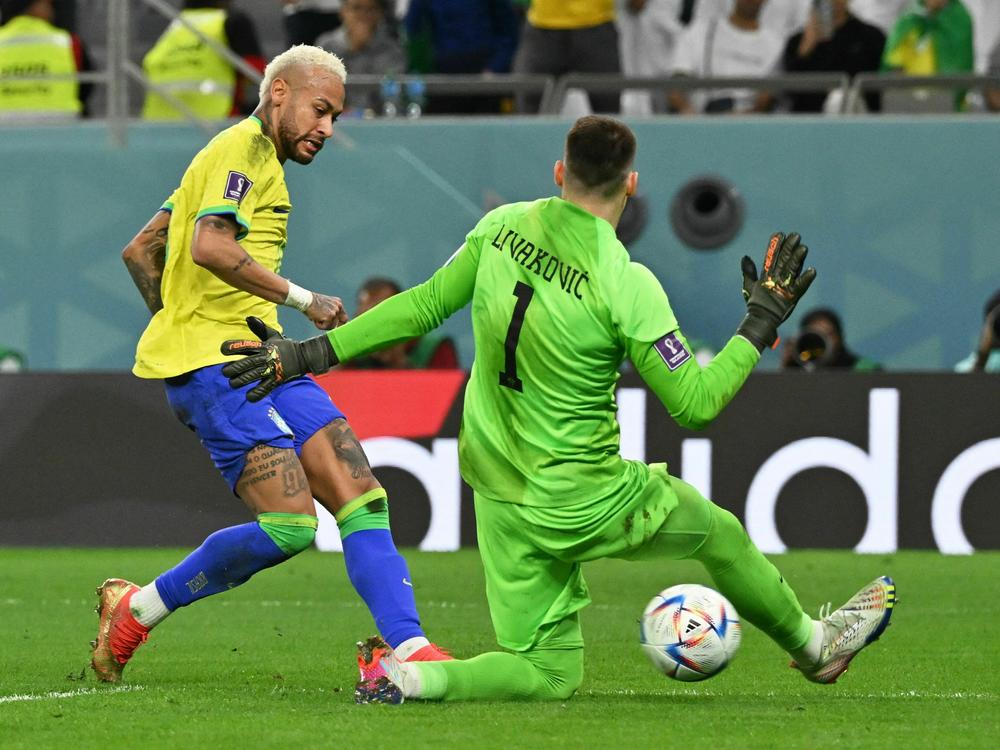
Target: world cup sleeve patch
point(237, 187)
point(673, 352)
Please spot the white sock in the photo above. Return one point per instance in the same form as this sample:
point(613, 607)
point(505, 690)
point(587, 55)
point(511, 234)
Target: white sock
point(407, 648)
point(147, 607)
point(412, 684)
point(809, 654)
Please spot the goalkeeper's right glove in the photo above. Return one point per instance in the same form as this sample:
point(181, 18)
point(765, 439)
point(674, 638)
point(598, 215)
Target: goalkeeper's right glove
point(771, 298)
point(274, 359)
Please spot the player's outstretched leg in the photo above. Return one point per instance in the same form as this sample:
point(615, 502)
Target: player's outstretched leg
point(552, 670)
point(847, 630)
point(225, 560)
point(699, 529)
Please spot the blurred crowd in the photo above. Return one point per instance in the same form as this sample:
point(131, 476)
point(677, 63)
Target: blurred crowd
point(188, 76)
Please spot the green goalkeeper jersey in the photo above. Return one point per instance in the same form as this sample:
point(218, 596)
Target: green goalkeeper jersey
point(557, 305)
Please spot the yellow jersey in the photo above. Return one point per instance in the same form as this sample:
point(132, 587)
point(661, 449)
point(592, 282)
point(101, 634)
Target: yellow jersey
point(237, 174)
point(570, 14)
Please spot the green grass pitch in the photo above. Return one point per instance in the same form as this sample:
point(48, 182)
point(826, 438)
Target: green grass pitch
point(271, 664)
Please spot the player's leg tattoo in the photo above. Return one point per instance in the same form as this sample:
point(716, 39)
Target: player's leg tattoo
point(266, 462)
point(348, 449)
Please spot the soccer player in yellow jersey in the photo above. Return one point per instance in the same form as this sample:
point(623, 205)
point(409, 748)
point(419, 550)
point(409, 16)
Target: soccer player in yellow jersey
point(226, 226)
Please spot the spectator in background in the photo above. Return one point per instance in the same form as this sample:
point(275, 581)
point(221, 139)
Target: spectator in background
point(833, 40)
point(578, 37)
point(986, 358)
point(985, 31)
point(737, 45)
point(364, 41)
point(649, 31)
point(783, 17)
point(183, 65)
point(464, 37)
point(880, 13)
point(933, 36)
point(31, 43)
point(992, 94)
point(820, 345)
point(429, 352)
point(307, 20)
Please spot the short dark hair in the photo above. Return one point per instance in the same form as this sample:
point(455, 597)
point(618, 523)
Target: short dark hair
point(376, 283)
point(599, 152)
point(822, 313)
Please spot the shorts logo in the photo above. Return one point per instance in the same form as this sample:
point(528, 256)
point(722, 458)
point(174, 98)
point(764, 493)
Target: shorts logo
point(674, 353)
point(237, 187)
point(272, 413)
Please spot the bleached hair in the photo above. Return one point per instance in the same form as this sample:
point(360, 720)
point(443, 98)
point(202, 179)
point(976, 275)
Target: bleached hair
point(301, 55)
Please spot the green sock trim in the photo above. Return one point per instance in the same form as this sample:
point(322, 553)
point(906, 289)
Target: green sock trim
point(374, 515)
point(292, 532)
point(376, 494)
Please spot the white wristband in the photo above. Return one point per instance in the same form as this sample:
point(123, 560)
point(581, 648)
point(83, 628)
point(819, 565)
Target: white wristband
point(298, 297)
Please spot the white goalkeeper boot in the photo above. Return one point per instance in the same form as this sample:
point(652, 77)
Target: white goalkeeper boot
point(849, 629)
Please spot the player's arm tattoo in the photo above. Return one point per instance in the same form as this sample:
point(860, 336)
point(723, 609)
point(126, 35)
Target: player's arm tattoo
point(228, 227)
point(348, 449)
point(145, 258)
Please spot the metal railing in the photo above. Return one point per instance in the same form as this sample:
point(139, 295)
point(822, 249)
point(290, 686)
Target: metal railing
point(881, 82)
point(552, 91)
point(608, 83)
point(458, 85)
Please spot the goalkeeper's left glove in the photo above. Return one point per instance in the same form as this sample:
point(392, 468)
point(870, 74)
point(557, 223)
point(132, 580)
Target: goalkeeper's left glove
point(771, 299)
point(274, 359)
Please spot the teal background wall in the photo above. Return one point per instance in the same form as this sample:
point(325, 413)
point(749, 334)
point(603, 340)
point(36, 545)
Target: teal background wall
point(902, 218)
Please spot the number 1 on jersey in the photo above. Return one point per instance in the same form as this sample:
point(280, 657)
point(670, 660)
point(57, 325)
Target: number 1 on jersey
point(509, 378)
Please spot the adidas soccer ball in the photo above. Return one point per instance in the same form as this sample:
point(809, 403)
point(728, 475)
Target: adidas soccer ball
point(690, 632)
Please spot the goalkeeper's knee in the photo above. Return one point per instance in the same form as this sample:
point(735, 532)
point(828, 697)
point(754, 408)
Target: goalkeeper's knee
point(292, 532)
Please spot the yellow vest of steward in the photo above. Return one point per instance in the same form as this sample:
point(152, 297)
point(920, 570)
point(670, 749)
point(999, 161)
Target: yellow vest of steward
point(183, 65)
point(30, 46)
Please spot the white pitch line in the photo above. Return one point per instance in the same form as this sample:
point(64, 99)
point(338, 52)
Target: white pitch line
point(866, 696)
point(435, 178)
point(69, 694)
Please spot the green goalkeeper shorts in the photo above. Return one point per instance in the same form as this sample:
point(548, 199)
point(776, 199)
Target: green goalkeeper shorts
point(532, 556)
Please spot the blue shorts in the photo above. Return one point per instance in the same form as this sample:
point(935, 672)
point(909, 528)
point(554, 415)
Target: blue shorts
point(228, 425)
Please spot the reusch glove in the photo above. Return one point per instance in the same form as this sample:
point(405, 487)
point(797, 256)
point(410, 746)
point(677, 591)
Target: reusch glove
point(274, 359)
point(771, 298)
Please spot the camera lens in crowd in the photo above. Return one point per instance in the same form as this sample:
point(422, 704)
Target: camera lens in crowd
point(812, 349)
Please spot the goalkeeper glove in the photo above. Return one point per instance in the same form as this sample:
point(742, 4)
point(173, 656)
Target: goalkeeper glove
point(771, 299)
point(274, 359)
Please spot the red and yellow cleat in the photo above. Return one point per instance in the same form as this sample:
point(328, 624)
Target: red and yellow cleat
point(119, 634)
point(431, 652)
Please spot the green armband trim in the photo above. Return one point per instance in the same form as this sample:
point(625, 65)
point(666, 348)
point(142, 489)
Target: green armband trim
point(226, 211)
point(292, 532)
point(361, 500)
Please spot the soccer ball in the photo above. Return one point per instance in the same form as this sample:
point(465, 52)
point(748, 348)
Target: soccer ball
point(690, 632)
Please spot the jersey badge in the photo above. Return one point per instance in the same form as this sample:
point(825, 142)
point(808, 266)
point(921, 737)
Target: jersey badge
point(237, 187)
point(673, 352)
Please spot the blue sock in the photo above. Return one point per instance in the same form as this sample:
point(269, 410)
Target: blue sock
point(223, 561)
point(380, 576)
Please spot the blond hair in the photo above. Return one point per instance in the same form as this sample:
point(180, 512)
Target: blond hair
point(301, 55)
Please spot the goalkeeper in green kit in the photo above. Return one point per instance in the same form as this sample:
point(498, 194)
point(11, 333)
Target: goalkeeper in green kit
point(557, 305)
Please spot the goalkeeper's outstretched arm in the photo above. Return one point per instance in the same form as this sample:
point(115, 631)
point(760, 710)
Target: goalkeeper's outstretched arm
point(693, 395)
